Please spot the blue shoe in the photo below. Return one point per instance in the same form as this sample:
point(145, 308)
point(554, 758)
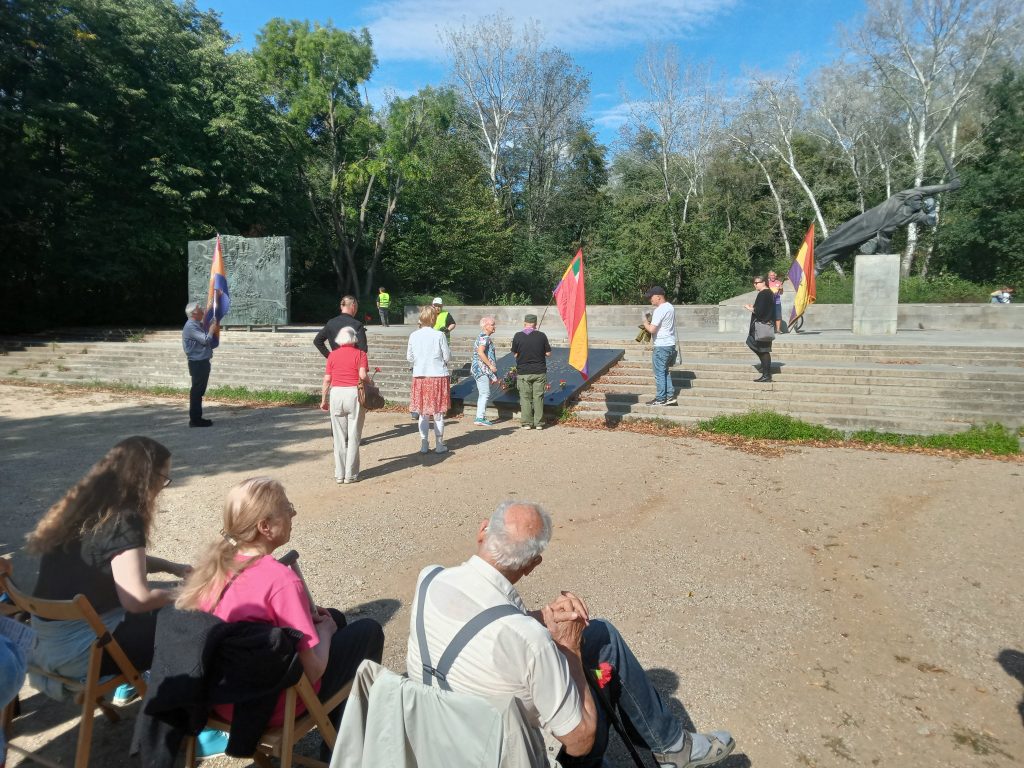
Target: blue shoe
point(211, 742)
point(124, 694)
point(483, 422)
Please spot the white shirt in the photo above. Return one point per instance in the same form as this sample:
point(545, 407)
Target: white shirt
point(513, 656)
point(428, 352)
point(664, 316)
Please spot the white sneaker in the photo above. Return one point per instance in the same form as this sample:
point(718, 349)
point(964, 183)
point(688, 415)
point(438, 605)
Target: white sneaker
point(441, 448)
point(424, 446)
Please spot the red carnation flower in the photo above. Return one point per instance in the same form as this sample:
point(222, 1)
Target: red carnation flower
point(603, 673)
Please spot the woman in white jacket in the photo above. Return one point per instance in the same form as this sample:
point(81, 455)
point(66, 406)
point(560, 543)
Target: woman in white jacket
point(429, 354)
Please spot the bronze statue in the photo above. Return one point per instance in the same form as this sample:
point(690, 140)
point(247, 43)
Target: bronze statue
point(872, 230)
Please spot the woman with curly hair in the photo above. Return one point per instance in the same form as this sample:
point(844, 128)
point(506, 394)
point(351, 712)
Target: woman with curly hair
point(238, 579)
point(93, 542)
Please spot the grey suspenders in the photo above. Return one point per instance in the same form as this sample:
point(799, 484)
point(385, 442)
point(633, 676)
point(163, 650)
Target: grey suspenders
point(461, 639)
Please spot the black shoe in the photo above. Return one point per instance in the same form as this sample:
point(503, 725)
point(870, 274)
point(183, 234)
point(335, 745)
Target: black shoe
point(763, 380)
point(201, 423)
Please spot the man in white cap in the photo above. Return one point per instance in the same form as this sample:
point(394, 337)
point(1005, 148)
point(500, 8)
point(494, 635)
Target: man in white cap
point(444, 323)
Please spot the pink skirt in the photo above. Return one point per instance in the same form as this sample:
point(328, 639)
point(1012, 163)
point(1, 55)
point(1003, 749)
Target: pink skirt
point(430, 395)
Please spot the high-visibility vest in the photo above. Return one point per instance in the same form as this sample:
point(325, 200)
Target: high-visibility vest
point(441, 324)
point(384, 300)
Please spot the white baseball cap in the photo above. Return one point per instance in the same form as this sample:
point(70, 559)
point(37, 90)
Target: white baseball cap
point(437, 300)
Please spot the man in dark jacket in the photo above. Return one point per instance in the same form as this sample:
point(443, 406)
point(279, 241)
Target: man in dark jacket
point(347, 318)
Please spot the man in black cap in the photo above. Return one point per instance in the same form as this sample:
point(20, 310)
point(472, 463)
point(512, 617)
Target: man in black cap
point(661, 324)
point(531, 349)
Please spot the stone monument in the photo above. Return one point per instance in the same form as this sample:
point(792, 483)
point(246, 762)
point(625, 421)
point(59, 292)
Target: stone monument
point(258, 277)
point(876, 294)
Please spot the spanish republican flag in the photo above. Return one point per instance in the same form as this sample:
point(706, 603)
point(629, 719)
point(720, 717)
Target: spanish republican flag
point(571, 296)
point(801, 275)
point(218, 300)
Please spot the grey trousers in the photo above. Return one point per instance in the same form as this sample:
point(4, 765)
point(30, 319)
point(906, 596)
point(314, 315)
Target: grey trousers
point(347, 425)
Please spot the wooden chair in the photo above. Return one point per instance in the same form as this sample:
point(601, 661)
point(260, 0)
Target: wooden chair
point(92, 692)
point(280, 741)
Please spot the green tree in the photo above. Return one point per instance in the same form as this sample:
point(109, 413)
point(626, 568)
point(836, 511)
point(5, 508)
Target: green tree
point(982, 236)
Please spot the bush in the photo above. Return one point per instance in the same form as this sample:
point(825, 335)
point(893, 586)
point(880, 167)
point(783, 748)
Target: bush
point(766, 425)
point(833, 288)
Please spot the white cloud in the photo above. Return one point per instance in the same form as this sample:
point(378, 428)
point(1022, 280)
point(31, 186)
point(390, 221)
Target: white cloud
point(409, 30)
point(612, 118)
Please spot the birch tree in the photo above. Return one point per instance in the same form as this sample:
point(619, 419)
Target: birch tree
point(928, 55)
point(680, 111)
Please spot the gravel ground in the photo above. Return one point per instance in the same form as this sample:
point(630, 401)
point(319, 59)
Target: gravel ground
point(828, 606)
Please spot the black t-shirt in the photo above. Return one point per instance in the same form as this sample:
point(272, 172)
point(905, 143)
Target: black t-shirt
point(531, 351)
point(329, 333)
point(82, 567)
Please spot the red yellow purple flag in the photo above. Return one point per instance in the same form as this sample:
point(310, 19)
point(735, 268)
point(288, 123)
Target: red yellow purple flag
point(218, 300)
point(571, 297)
point(801, 276)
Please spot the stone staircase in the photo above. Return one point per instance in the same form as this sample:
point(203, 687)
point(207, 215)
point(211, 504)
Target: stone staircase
point(848, 384)
point(285, 361)
point(886, 387)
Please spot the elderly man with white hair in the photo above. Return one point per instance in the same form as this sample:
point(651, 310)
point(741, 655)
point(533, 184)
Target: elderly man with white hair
point(470, 632)
point(198, 344)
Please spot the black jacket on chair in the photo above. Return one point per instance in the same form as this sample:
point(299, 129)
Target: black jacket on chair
point(200, 660)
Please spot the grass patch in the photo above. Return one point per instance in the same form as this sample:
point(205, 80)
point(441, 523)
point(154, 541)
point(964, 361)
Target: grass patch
point(766, 425)
point(990, 438)
point(269, 396)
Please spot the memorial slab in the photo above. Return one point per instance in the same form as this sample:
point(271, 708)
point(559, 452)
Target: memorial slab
point(258, 277)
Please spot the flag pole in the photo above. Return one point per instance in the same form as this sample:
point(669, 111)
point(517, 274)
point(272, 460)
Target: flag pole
point(545, 311)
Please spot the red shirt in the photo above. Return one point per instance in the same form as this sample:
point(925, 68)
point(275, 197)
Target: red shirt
point(343, 366)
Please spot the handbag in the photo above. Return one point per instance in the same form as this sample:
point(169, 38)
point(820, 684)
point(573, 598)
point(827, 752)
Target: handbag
point(370, 397)
point(763, 331)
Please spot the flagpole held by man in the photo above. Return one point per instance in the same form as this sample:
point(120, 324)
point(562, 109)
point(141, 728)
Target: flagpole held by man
point(201, 335)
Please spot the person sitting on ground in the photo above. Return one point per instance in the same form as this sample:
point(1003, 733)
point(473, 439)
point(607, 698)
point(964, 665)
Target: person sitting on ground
point(429, 354)
point(543, 657)
point(1002, 295)
point(93, 542)
point(346, 367)
point(238, 579)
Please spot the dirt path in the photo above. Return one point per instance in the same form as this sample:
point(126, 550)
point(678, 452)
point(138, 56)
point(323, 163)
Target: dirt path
point(829, 607)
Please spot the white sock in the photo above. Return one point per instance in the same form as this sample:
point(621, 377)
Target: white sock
point(424, 427)
point(701, 745)
point(439, 426)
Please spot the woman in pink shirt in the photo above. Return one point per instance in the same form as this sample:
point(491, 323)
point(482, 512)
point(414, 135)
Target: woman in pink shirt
point(238, 579)
point(346, 367)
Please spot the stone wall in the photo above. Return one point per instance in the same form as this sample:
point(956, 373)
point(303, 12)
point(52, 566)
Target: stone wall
point(258, 277)
point(598, 316)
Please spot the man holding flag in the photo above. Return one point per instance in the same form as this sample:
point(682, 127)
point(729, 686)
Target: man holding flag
point(201, 335)
point(198, 344)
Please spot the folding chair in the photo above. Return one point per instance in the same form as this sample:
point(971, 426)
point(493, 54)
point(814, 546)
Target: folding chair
point(280, 741)
point(89, 693)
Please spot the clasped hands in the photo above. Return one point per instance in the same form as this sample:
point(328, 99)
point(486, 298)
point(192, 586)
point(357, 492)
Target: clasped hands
point(565, 618)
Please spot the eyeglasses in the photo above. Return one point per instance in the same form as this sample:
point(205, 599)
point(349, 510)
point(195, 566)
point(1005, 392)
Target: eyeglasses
point(167, 480)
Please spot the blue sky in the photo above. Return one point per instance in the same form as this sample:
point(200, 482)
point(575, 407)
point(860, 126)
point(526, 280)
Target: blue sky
point(605, 37)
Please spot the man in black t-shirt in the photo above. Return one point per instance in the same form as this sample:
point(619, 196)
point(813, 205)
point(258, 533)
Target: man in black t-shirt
point(531, 349)
point(347, 318)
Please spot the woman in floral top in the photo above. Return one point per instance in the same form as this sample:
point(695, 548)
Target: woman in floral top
point(484, 369)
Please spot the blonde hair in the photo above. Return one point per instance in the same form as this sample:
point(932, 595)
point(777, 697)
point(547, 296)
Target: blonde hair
point(246, 506)
point(119, 485)
point(428, 316)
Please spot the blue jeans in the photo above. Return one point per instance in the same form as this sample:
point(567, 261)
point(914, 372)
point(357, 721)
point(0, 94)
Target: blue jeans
point(483, 388)
point(662, 358)
point(653, 725)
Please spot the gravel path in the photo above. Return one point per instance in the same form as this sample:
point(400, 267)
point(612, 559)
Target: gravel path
point(828, 606)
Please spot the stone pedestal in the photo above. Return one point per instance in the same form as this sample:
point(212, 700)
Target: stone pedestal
point(876, 294)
